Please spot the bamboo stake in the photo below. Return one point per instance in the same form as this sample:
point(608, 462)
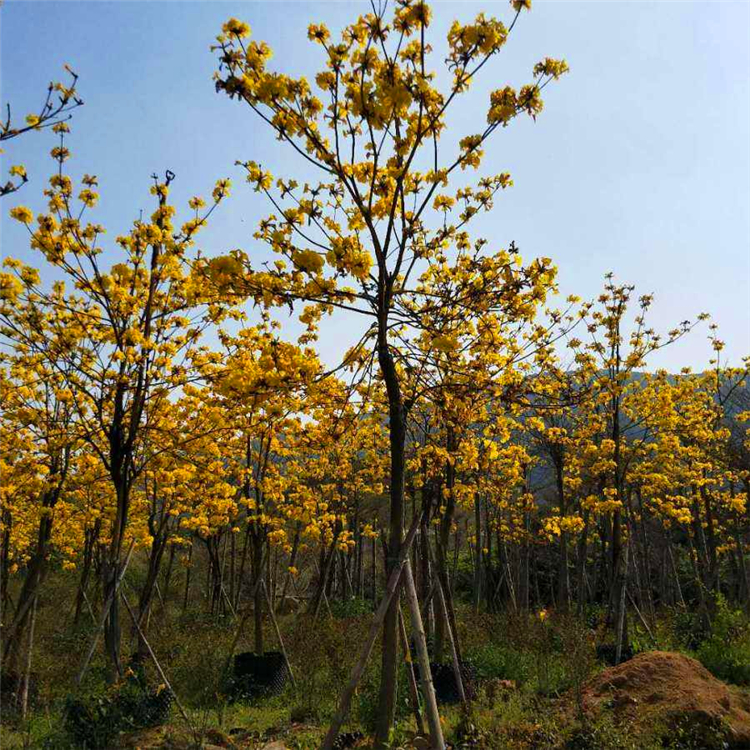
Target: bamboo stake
point(642, 619)
point(674, 574)
point(243, 620)
point(88, 605)
point(228, 601)
point(413, 692)
point(451, 640)
point(452, 644)
point(29, 648)
point(621, 611)
point(425, 673)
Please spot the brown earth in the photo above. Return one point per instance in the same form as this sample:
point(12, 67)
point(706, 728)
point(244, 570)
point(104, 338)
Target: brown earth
point(669, 687)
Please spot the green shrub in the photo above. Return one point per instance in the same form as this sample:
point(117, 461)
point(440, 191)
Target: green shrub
point(552, 655)
point(495, 662)
point(354, 607)
point(697, 733)
point(690, 629)
point(726, 654)
point(95, 720)
point(366, 707)
point(727, 661)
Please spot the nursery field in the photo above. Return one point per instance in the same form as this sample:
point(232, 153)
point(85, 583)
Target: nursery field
point(532, 681)
point(357, 471)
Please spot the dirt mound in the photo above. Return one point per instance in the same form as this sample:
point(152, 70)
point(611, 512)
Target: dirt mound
point(672, 688)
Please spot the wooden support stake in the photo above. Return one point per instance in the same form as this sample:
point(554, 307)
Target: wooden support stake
point(452, 643)
point(88, 605)
point(428, 689)
point(413, 692)
point(642, 619)
point(228, 601)
point(451, 640)
point(243, 619)
point(620, 631)
point(29, 649)
point(328, 605)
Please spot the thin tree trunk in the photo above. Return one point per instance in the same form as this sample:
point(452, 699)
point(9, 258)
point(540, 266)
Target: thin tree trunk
point(108, 604)
point(581, 564)
point(156, 664)
point(478, 560)
point(292, 562)
point(29, 649)
point(278, 636)
point(188, 568)
point(397, 444)
point(168, 574)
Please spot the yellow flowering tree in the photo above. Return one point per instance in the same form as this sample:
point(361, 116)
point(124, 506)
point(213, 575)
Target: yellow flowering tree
point(39, 440)
point(121, 336)
point(257, 386)
point(357, 239)
point(616, 353)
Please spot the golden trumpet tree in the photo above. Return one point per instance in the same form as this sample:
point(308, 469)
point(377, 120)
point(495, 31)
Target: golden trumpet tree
point(383, 211)
point(257, 390)
point(340, 465)
point(119, 336)
point(39, 439)
point(611, 364)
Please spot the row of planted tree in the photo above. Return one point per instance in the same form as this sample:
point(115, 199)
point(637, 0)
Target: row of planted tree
point(155, 407)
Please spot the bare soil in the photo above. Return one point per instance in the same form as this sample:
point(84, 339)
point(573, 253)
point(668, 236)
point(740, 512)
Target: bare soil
point(669, 687)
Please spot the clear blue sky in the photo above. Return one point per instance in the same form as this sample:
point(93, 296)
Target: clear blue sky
point(639, 164)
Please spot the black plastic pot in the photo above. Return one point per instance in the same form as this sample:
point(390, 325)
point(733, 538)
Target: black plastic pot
point(444, 681)
point(94, 721)
point(10, 689)
point(255, 676)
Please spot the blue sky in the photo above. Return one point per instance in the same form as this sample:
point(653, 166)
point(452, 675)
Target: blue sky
point(639, 164)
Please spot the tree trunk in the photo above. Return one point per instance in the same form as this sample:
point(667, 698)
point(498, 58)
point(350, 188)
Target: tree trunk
point(581, 564)
point(158, 545)
point(188, 568)
point(91, 537)
point(397, 440)
point(35, 573)
point(258, 601)
point(478, 561)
